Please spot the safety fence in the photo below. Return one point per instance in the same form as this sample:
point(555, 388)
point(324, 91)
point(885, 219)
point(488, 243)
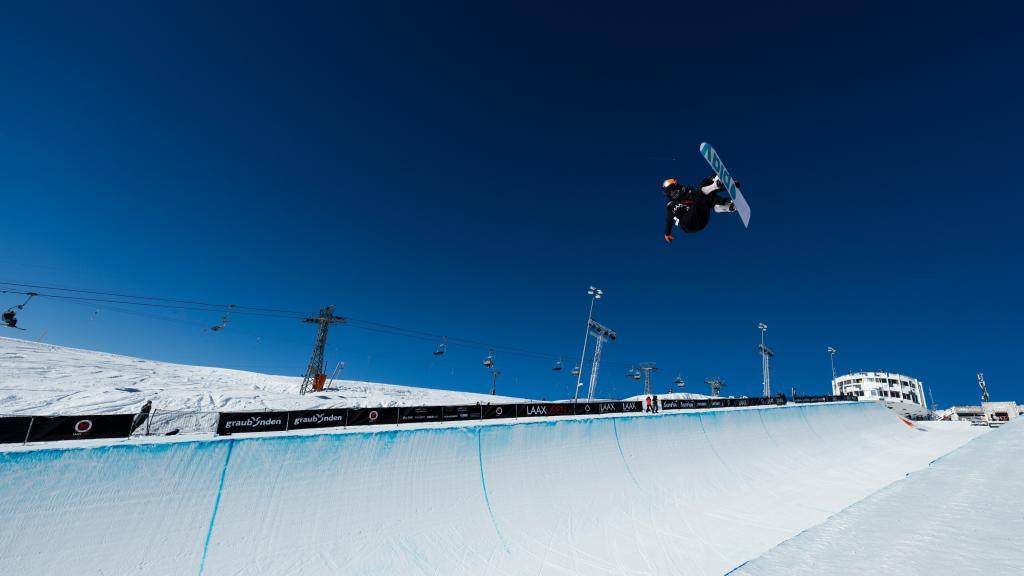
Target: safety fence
point(171, 422)
point(24, 429)
point(238, 422)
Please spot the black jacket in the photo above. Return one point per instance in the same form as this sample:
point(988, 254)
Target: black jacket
point(690, 207)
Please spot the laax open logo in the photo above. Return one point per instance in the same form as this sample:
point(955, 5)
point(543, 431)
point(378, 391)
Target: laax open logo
point(83, 426)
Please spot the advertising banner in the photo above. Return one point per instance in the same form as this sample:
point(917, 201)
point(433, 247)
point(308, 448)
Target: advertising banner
point(415, 414)
point(304, 419)
point(548, 409)
point(49, 428)
point(372, 416)
point(673, 404)
point(459, 413)
point(492, 411)
point(818, 399)
point(14, 429)
point(239, 422)
point(606, 407)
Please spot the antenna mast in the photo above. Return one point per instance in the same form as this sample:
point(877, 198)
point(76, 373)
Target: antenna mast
point(315, 377)
point(984, 388)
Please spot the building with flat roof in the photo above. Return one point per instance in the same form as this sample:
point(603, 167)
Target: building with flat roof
point(901, 393)
point(990, 413)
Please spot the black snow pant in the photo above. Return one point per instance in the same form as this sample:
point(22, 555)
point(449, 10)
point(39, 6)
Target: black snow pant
point(697, 215)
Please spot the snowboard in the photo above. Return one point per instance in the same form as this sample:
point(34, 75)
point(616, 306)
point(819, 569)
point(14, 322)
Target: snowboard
point(742, 208)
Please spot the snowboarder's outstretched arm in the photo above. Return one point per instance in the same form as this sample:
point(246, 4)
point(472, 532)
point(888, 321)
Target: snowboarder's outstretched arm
point(670, 220)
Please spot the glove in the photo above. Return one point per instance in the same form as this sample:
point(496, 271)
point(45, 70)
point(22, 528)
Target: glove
point(669, 238)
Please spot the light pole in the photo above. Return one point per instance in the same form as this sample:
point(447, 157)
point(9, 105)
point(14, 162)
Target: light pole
point(494, 380)
point(766, 353)
point(595, 294)
point(832, 356)
point(601, 333)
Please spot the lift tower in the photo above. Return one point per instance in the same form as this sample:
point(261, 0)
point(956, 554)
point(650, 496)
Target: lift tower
point(315, 377)
point(647, 368)
point(716, 385)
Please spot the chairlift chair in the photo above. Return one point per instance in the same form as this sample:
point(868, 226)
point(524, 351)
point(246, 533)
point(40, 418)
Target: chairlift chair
point(442, 347)
point(575, 370)
point(558, 366)
point(223, 320)
point(489, 361)
point(10, 316)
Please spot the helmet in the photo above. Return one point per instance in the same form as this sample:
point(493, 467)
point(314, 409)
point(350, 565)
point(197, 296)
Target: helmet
point(672, 189)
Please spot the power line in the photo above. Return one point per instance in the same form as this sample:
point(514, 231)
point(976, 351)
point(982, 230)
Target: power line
point(195, 308)
point(155, 298)
point(260, 311)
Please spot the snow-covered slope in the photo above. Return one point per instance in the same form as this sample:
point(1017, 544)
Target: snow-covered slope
point(962, 515)
point(672, 493)
point(44, 379)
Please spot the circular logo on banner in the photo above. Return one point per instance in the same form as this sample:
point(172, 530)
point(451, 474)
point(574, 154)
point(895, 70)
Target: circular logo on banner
point(498, 411)
point(586, 408)
point(83, 426)
point(373, 415)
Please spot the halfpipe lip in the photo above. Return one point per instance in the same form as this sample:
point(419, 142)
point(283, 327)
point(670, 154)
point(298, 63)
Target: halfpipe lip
point(383, 429)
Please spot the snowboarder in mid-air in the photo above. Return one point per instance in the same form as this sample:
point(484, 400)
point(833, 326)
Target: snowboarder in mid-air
point(689, 207)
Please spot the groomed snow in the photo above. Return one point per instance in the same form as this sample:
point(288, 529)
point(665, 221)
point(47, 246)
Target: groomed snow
point(672, 493)
point(41, 379)
point(964, 514)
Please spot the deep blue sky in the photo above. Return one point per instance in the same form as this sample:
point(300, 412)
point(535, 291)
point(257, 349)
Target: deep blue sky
point(470, 169)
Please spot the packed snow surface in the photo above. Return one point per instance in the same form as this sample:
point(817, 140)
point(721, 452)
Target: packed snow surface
point(41, 379)
point(962, 515)
point(694, 492)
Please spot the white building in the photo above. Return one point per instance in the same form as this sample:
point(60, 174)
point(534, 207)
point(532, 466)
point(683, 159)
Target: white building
point(990, 413)
point(902, 393)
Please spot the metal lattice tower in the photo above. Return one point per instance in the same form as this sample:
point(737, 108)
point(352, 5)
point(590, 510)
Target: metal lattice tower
point(647, 368)
point(600, 334)
point(716, 386)
point(316, 361)
point(984, 388)
point(766, 371)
